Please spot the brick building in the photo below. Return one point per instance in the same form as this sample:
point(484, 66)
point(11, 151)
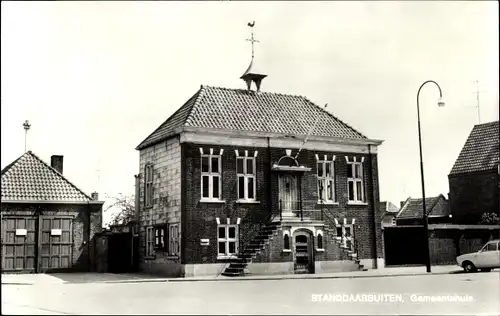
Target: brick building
point(228, 184)
point(48, 224)
point(474, 178)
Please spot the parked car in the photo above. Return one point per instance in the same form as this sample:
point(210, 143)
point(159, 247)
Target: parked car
point(487, 258)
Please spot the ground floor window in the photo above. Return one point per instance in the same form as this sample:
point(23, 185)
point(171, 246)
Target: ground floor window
point(227, 241)
point(150, 242)
point(173, 238)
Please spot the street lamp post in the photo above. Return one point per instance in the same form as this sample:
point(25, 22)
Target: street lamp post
point(424, 211)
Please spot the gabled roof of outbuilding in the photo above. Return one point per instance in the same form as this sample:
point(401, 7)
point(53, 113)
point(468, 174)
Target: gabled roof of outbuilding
point(481, 150)
point(30, 179)
point(242, 110)
point(388, 207)
point(413, 208)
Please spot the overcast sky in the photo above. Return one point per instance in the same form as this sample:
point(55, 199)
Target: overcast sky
point(95, 78)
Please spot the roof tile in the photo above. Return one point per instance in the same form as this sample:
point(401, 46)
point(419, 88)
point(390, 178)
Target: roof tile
point(481, 150)
point(29, 178)
point(242, 110)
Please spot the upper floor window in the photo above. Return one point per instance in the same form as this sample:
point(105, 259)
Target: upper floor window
point(148, 181)
point(326, 181)
point(211, 180)
point(355, 185)
point(245, 170)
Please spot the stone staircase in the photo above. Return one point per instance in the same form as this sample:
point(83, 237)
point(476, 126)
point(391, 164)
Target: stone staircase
point(347, 251)
point(238, 265)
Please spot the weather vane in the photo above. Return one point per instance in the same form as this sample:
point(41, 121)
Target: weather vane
point(26, 126)
point(252, 40)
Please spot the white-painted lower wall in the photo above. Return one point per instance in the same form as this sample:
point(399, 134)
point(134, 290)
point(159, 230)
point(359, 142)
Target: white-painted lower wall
point(335, 266)
point(203, 269)
point(271, 268)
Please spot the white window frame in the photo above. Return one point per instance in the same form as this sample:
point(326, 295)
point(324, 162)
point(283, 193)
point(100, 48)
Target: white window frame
point(246, 176)
point(159, 238)
point(173, 239)
point(150, 242)
point(322, 196)
point(355, 180)
point(226, 241)
point(211, 176)
point(148, 185)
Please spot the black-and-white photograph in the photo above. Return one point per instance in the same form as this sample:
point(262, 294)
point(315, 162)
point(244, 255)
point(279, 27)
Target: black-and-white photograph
point(250, 157)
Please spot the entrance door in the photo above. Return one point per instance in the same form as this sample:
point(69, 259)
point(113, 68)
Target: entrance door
point(56, 242)
point(18, 244)
point(304, 262)
point(289, 193)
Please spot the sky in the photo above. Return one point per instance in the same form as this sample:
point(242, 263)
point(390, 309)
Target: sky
point(96, 78)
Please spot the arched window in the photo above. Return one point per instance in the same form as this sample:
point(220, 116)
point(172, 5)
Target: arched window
point(286, 241)
point(320, 241)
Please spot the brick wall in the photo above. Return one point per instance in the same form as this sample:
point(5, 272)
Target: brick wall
point(166, 160)
point(199, 219)
point(446, 244)
point(83, 250)
point(471, 195)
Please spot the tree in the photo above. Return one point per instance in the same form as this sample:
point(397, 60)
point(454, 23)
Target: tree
point(125, 207)
point(490, 219)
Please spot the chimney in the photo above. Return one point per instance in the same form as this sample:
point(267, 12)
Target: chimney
point(94, 196)
point(401, 204)
point(56, 162)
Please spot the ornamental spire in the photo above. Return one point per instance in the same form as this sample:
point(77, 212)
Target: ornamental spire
point(251, 74)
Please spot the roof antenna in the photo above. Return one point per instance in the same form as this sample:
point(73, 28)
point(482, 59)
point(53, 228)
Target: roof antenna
point(309, 134)
point(26, 126)
point(477, 105)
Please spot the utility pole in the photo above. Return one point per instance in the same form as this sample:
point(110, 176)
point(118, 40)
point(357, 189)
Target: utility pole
point(477, 104)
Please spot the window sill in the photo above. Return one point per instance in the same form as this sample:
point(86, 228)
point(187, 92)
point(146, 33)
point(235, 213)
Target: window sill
point(320, 250)
point(248, 201)
point(327, 203)
point(212, 201)
point(172, 257)
point(226, 257)
point(357, 203)
point(287, 250)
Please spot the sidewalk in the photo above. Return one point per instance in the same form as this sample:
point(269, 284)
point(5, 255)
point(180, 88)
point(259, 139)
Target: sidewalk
point(71, 278)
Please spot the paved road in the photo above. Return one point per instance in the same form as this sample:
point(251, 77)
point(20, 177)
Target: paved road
point(262, 297)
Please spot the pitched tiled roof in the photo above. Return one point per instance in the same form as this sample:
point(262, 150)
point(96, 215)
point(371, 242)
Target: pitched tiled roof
point(413, 207)
point(241, 110)
point(29, 178)
point(480, 152)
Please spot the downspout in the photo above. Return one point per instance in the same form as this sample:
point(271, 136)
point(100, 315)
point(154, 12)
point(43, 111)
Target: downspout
point(374, 206)
point(89, 262)
point(269, 177)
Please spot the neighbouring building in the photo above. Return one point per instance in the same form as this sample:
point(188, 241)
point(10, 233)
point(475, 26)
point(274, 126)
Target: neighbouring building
point(437, 209)
point(389, 213)
point(229, 185)
point(474, 178)
point(48, 223)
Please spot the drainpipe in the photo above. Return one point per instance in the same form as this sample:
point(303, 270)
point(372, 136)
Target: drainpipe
point(89, 262)
point(374, 207)
point(269, 176)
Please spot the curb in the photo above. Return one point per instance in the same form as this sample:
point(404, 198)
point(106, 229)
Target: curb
point(271, 278)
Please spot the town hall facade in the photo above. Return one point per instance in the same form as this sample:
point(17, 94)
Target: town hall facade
point(242, 181)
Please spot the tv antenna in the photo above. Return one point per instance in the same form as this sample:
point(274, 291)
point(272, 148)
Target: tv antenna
point(26, 126)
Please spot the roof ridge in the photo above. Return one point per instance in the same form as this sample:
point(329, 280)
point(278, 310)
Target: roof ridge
point(333, 116)
point(60, 174)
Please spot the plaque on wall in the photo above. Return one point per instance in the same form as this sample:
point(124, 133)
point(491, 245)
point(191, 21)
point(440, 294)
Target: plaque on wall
point(204, 242)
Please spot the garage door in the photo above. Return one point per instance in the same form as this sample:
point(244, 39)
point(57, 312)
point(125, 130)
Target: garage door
point(18, 249)
point(56, 243)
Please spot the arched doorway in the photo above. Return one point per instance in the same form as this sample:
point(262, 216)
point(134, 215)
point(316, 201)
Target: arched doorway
point(303, 252)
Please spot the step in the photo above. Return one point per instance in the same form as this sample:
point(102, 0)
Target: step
point(233, 270)
point(238, 264)
point(232, 274)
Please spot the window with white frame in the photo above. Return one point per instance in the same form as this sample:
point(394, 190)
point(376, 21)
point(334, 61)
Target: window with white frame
point(326, 181)
point(245, 170)
point(148, 185)
point(211, 182)
point(227, 240)
point(159, 238)
point(173, 239)
point(355, 186)
point(150, 242)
